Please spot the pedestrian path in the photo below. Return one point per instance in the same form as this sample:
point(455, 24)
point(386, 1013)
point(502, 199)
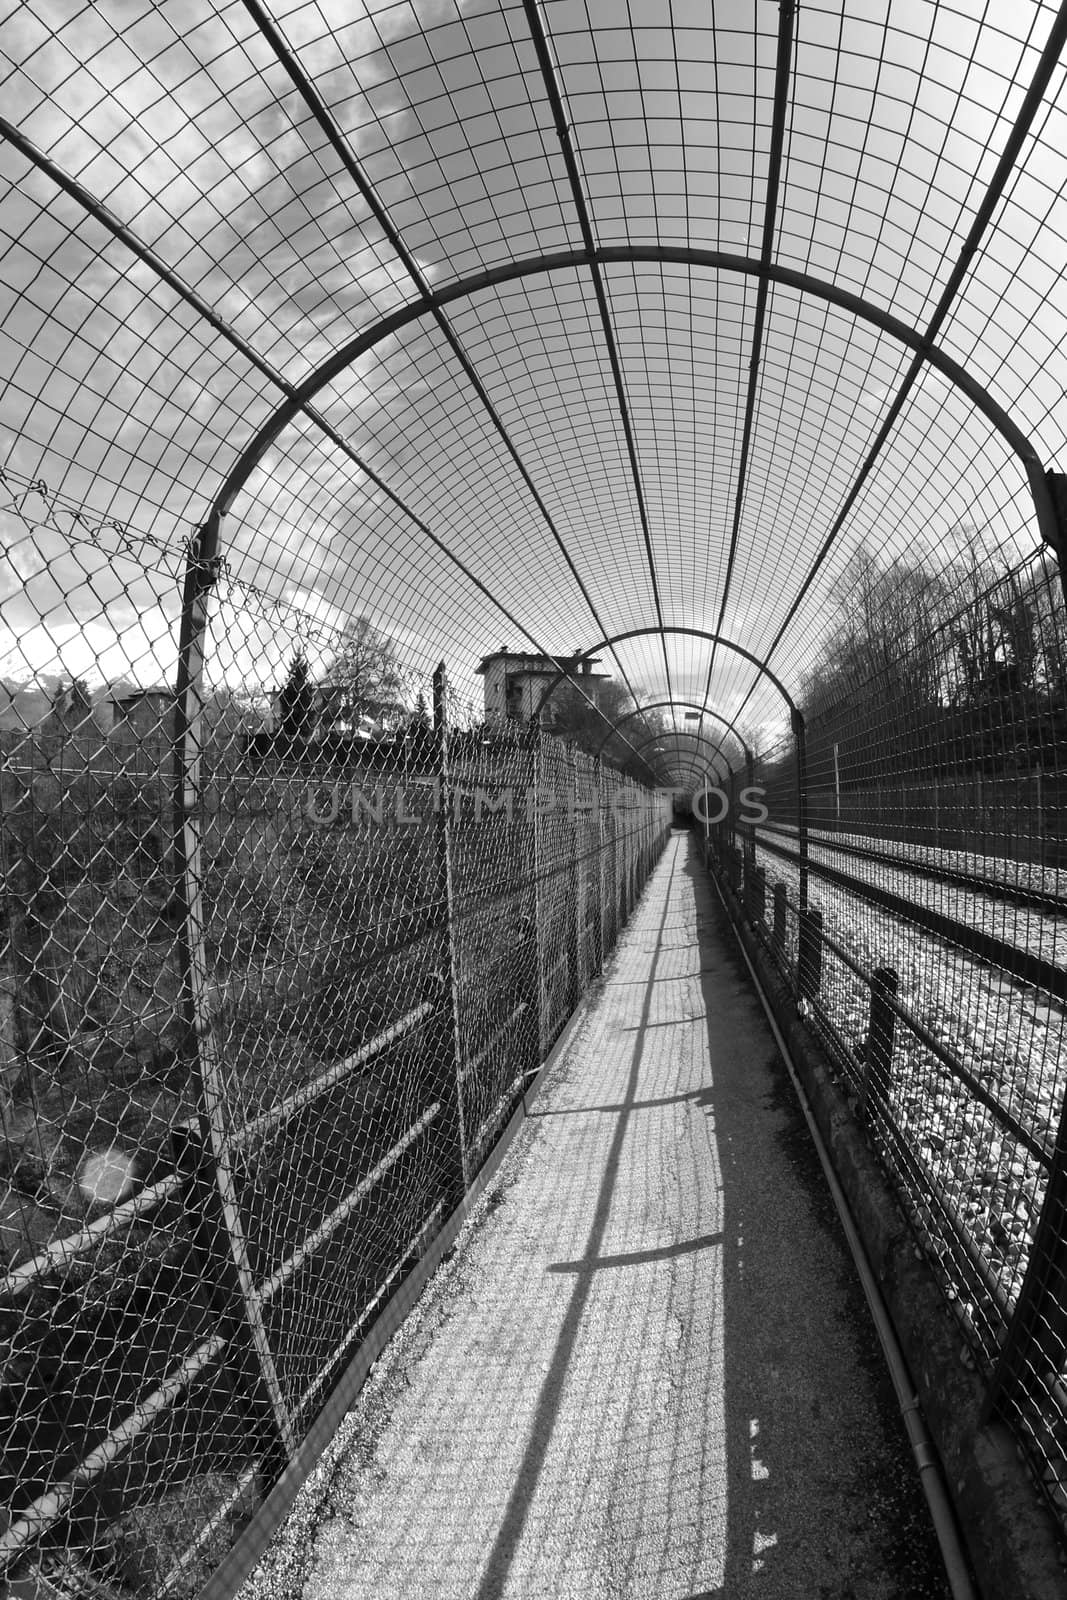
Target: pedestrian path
point(647, 1371)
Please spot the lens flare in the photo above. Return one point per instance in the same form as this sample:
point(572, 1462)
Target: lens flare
point(107, 1176)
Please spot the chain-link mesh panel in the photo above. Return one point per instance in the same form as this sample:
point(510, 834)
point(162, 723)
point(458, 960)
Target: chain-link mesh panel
point(491, 822)
point(588, 823)
point(556, 873)
point(908, 879)
point(323, 288)
point(273, 983)
point(115, 1348)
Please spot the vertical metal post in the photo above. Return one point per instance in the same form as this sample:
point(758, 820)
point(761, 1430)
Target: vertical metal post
point(809, 953)
point(878, 1055)
point(452, 1035)
point(576, 876)
point(1050, 499)
point(758, 906)
point(778, 932)
point(600, 860)
point(801, 751)
point(533, 812)
point(748, 838)
point(837, 784)
point(610, 904)
point(706, 824)
point(201, 573)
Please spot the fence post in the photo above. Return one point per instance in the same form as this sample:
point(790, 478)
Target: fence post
point(809, 953)
point(577, 877)
point(878, 1054)
point(801, 751)
point(599, 779)
point(729, 821)
point(758, 906)
point(533, 813)
point(203, 566)
point(452, 1036)
point(748, 853)
point(778, 932)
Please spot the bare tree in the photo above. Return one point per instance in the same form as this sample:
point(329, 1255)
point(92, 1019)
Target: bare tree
point(366, 677)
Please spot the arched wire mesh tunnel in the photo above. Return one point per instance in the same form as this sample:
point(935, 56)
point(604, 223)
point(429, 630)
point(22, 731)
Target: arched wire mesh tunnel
point(477, 478)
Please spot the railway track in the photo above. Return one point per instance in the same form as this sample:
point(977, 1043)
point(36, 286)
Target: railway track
point(1018, 959)
point(996, 888)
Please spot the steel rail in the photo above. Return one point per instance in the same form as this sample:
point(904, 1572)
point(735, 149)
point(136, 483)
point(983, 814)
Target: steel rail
point(312, 1243)
point(42, 1513)
point(1040, 1149)
point(270, 1121)
point(130, 1212)
point(994, 888)
point(62, 1251)
point(1031, 969)
point(472, 1062)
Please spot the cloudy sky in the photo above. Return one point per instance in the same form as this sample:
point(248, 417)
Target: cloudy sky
point(505, 494)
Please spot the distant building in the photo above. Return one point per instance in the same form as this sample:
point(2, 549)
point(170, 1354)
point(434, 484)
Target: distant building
point(143, 716)
point(515, 683)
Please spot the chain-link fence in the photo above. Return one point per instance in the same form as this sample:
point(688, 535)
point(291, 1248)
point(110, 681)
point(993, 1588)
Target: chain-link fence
point(908, 877)
point(271, 989)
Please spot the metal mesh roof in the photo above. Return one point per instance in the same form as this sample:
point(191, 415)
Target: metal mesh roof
point(537, 323)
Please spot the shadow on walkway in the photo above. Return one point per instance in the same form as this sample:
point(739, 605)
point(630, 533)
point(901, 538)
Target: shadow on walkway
point(648, 1371)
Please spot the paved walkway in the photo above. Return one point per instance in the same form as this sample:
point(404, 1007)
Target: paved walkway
point(647, 1371)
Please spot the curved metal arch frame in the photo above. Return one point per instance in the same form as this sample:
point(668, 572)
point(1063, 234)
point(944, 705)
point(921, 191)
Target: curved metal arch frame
point(693, 705)
point(1051, 517)
point(301, 395)
point(677, 734)
point(692, 633)
point(796, 721)
point(203, 554)
point(681, 733)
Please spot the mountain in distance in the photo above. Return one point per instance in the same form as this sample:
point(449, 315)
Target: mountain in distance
point(25, 703)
